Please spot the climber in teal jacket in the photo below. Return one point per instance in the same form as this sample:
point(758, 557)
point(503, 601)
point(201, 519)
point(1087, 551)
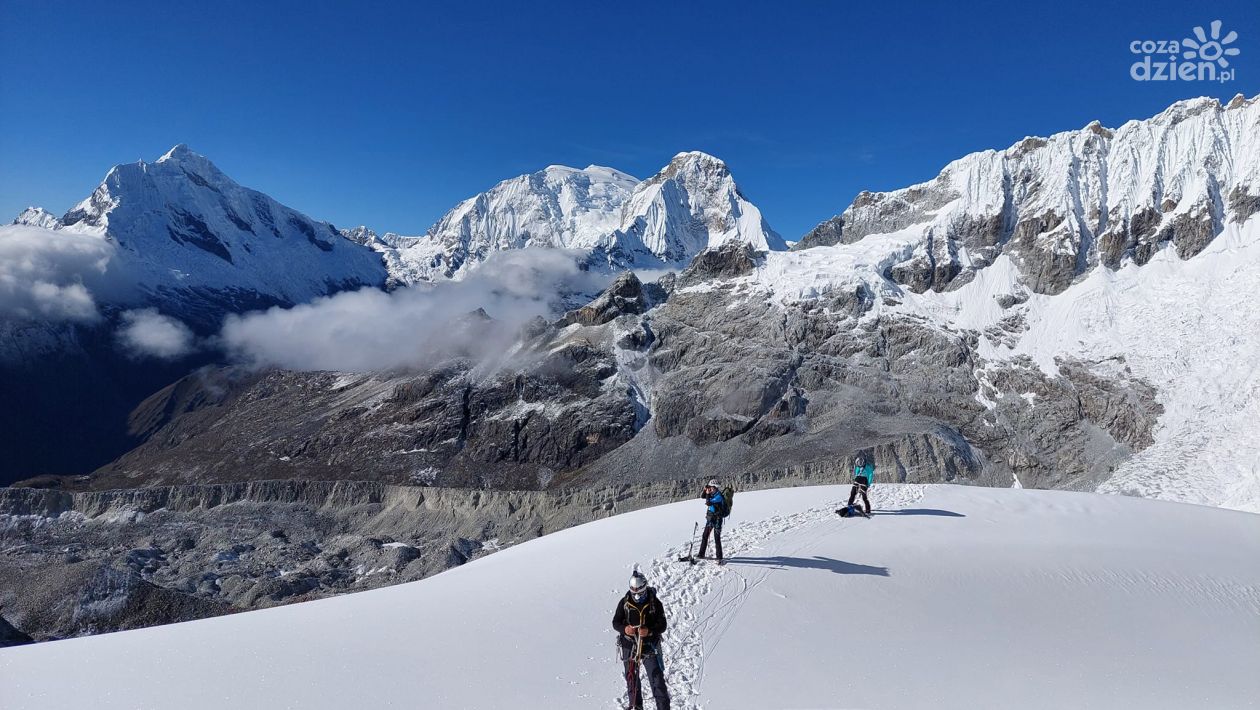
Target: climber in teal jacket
point(863, 475)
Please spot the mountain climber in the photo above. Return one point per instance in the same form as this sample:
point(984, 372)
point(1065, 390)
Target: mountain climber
point(863, 475)
point(714, 514)
point(639, 622)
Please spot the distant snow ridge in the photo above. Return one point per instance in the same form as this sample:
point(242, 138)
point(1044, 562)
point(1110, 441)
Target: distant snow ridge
point(1060, 205)
point(557, 207)
point(691, 204)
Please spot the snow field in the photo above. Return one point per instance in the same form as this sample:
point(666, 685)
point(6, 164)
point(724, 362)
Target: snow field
point(949, 597)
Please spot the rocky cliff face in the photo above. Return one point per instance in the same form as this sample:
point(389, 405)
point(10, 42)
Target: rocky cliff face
point(708, 373)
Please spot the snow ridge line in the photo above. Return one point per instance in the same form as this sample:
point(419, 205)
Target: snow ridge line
point(704, 599)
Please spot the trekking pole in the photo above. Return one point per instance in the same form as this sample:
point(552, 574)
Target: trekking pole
point(690, 545)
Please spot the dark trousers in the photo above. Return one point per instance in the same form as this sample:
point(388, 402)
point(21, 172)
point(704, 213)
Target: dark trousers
point(716, 527)
point(656, 677)
point(860, 484)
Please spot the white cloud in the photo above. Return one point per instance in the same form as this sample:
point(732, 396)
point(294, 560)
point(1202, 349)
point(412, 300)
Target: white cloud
point(147, 333)
point(369, 330)
point(48, 275)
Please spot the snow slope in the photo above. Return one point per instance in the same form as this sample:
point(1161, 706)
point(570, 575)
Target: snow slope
point(1188, 327)
point(948, 598)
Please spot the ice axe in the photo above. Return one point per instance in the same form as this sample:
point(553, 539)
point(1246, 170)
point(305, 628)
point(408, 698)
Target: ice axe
point(691, 544)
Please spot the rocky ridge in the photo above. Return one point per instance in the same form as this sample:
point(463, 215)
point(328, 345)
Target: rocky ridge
point(1060, 205)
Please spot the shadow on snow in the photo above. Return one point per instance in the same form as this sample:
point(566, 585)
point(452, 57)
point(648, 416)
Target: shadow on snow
point(920, 511)
point(816, 562)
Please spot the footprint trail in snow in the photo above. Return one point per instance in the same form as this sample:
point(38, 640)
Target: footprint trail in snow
point(704, 599)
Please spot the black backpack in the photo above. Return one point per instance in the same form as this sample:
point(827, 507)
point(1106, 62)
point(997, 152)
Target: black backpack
point(728, 498)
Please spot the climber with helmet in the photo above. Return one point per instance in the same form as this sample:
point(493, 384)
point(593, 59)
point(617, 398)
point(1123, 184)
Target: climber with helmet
point(863, 476)
point(639, 622)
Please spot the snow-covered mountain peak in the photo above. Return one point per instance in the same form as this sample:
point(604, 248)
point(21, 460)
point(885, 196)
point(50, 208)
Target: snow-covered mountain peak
point(1240, 100)
point(176, 153)
point(557, 206)
point(598, 172)
point(693, 164)
point(696, 157)
point(1186, 108)
point(38, 217)
point(611, 172)
point(692, 204)
point(359, 235)
point(197, 166)
point(1096, 127)
point(189, 232)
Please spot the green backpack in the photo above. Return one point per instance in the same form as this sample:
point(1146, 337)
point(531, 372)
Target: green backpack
point(728, 494)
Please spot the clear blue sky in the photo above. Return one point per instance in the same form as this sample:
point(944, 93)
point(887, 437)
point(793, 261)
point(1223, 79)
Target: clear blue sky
point(389, 113)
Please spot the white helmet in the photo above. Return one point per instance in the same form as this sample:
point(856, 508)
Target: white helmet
point(712, 483)
point(860, 460)
point(638, 584)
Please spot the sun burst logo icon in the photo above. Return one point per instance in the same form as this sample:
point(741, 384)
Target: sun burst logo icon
point(1211, 50)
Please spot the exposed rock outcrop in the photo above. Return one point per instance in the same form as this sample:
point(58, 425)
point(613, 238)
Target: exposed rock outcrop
point(10, 636)
point(724, 262)
point(626, 296)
